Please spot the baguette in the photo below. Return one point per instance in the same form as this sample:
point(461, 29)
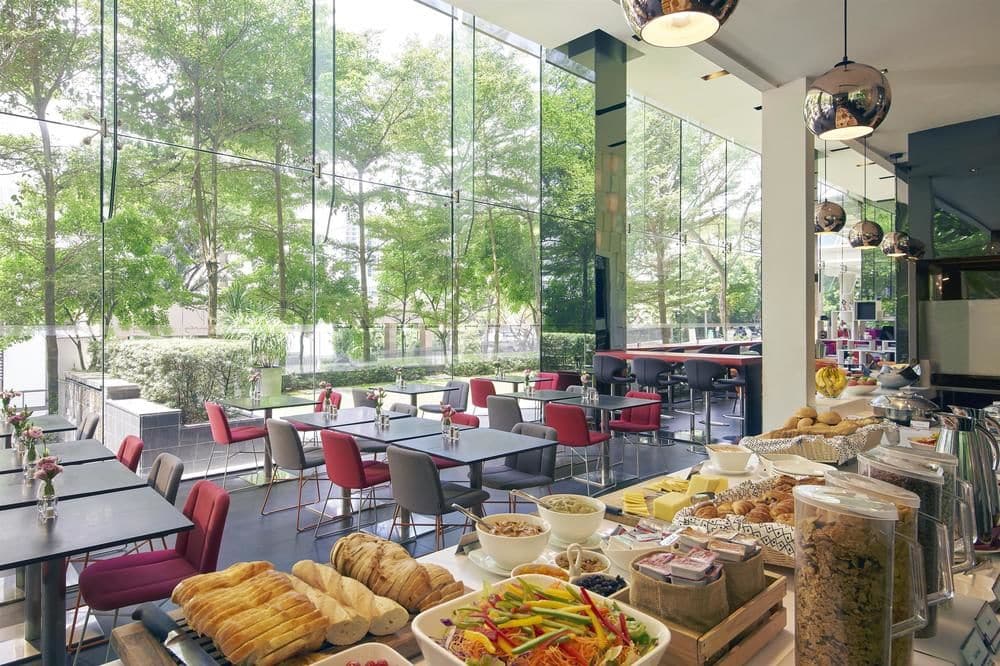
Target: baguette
point(203, 612)
point(241, 637)
point(343, 626)
point(229, 577)
point(281, 656)
point(384, 567)
point(385, 615)
point(246, 623)
point(309, 628)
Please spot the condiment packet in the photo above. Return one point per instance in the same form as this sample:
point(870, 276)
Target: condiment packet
point(728, 551)
point(725, 535)
point(656, 565)
point(692, 538)
point(691, 568)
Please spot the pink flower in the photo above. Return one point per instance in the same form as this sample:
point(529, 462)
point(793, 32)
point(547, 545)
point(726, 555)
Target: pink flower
point(371, 395)
point(16, 418)
point(47, 468)
point(34, 432)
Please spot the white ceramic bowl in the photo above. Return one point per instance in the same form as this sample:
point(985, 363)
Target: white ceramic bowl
point(622, 558)
point(860, 389)
point(508, 552)
point(574, 527)
point(561, 558)
point(804, 467)
point(362, 653)
point(428, 629)
point(729, 458)
point(769, 460)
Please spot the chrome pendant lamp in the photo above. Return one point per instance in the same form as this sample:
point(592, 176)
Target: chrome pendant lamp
point(896, 243)
point(916, 249)
point(849, 101)
point(829, 217)
point(865, 235)
point(674, 23)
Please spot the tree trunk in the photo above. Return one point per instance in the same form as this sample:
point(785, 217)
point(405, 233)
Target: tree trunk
point(213, 266)
point(280, 234)
point(661, 292)
point(200, 209)
point(49, 298)
point(78, 343)
point(366, 334)
point(496, 281)
point(302, 348)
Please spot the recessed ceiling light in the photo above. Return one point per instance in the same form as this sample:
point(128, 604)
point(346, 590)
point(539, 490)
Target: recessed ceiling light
point(758, 107)
point(715, 75)
point(973, 170)
point(864, 164)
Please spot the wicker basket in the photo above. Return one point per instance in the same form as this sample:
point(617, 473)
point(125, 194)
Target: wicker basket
point(833, 450)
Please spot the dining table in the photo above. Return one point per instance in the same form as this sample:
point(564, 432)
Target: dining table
point(542, 396)
point(413, 390)
point(70, 452)
point(346, 416)
point(513, 380)
point(397, 431)
point(83, 525)
point(266, 404)
point(84, 480)
point(49, 423)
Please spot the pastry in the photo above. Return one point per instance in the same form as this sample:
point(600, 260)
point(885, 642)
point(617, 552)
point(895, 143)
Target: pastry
point(708, 512)
point(803, 423)
point(829, 418)
point(791, 424)
point(805, 412)
point(742, 507)
point(785, 519)
point(725, 509)
point(760, 514)
point(775, 495)
point(784, 506)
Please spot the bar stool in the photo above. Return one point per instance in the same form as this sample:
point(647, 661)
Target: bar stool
point(611, 370)
point(703, 376)
point(653, 374)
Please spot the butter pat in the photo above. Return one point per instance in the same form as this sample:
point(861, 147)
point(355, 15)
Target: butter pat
point(701, 483)
point(666, 506)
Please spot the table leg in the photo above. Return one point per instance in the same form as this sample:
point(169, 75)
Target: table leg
point(53, 586)
point(476, 483)
point(753, 422)
point(32, 602)
point(268, 471)
point(413, 399)
point(606, 449)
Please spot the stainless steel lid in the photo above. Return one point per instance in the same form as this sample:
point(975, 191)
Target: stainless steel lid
point(909, 401)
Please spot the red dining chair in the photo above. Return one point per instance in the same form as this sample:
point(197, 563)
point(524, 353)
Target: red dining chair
point(481, 390)
point(345, 468)
point(458, 418)
point(130, 452)
point(546, 381)
point(318, 409)
point(570, 424)
point(128, 580)
point(645, 419)
point(226, 436)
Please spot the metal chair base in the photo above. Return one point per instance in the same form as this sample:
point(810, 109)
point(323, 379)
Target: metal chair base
point(303, 480)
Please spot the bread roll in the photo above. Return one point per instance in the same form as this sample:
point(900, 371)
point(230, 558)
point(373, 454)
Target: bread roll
point(790, 424)
point(343, 625)
point(829, 418)
point(803, 423)
point(806, 412)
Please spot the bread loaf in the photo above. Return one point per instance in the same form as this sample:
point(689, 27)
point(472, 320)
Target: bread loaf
point(344, 626)
point(385, 567)
point(230, 577)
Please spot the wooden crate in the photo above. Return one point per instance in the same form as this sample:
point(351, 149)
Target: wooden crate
point(737, 638)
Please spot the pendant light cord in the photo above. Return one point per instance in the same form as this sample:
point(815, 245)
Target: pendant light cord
point(845, 61)
point(864, 213)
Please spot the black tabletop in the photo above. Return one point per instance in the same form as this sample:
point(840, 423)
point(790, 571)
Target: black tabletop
point(348, 416)
point(611, 402)
point(545, 395)
point(268, 402)
point(476, 445)
point(398, 430)
point(85, 524)
point(416, 389)
point(49, 423)
point(76, 481)
point(75, 452)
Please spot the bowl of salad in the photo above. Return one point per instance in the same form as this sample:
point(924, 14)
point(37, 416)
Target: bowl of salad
point(533, 620)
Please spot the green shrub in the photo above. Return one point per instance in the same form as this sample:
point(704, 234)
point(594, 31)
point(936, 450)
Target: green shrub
point(181, 372)
point(566, 351)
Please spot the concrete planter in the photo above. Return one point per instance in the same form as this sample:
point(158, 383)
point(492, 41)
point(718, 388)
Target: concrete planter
point(270, 381)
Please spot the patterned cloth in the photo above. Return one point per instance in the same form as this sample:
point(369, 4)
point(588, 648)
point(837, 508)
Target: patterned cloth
point(837, 450)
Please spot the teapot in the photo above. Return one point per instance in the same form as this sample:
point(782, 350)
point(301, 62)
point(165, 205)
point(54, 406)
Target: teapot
point(976, 447)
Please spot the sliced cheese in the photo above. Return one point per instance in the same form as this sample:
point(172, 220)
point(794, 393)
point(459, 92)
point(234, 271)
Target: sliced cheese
point(701, 483)
point(666, 506)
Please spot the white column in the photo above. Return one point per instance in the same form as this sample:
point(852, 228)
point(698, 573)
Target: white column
point(788, 268)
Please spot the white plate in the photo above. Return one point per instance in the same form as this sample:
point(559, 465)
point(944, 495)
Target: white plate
point(593, 543)
point(487, 563)
point(711, 470)
point(428, 629)
point(804, 467)
point(365, 652)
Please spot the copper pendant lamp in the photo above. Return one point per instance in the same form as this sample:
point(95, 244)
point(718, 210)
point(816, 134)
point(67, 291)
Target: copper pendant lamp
point(673, 23)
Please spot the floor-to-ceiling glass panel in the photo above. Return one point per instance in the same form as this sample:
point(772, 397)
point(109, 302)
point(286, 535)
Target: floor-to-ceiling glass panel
point(743, 293)
point(567, 293)
point(219, 78)
point(653, 289)
point(703, 185)
point(702, 297)
point(394, 94)
point(661, 146)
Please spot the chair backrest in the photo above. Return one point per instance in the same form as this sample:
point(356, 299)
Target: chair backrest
point(757, 347)
point(539, 461)
point(360, 398)
point(549, 381)
point(459, 399)
point(416, 482)
point(336, 397)
point(286, 445)
point(130, 452)
point(566, 379)
point(578, 389)
point(570, 423)
point(207, 507)
point(731, 349)
point(219, 423)
point(701, 375)
point(89, 426)
point(462, 418)
point(343, 460)
point(481, 390)
point(606, 367)
point(504, 412)
point(649, 371)
point(647, 415)
point(403, 408)
point(165, 475)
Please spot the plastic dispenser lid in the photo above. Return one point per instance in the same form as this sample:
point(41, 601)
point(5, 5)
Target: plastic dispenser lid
point(843, 501)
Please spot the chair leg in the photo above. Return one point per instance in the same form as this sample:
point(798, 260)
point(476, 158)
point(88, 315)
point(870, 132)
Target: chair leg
point(211, 455)
point(438, 533)
point(79, 644)
point(114, 623)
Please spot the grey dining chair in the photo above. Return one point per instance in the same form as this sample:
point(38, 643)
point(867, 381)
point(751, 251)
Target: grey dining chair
point(503, 412)
point(165, 478)
point(288, 454)
point(89, 426)
point(403, 408)
point(417, 489)
point(360, 398)
point(458, 399)
point(529, 469)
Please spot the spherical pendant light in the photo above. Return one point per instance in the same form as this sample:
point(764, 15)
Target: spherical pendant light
point(849, 101)
point(676, 22)
point(896, 244)
point(830, 218)
point(865, 235)
point(915, 250)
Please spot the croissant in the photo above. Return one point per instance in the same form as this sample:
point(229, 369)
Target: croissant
point(742, 507)
point(708, 512)
point(724, 509)
point(760, 514)
point(784, 506)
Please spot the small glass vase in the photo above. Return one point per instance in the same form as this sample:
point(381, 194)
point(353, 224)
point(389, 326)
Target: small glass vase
point(399, 379)
point(48, 503)
point(446, 425)
point(19, 446)
point(28, 460)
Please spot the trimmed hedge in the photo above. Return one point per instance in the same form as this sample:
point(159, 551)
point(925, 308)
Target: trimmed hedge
point(181, 372)
point(567, 351)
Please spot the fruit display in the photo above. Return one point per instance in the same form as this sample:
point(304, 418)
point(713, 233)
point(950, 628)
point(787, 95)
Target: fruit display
point(861, 380)
point(831, 381)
